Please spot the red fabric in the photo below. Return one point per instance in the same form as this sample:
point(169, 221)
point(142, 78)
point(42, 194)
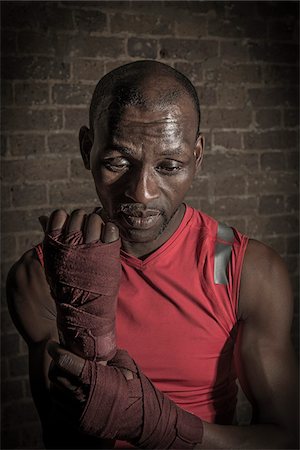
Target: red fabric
point(84, 281)
point(134, 409)
point(177, 324)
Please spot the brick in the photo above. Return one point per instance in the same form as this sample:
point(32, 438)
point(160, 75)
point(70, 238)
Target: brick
point(78, 171)
point(11, 390)
point(5, 196)
point(281, 139)
point(277, 243)
point(281, 75)
point(252, 29)
point(292, 160)
point(6, 93)
point(75, 118)
point(8, 43)
point(74, 94)
point(33, 42)
point(271, 204)
point(88, 69)
point(8, 248)
point(292, 203)
point(266, 183)
point(141, 24)
point(10, 345)
point(291, 117)
point(283, 30)
point(273, 97)
point(25, 195)
point(292, 264)
point(18, 365)
point(226, 118)
point(65, 194)
point(238, 9)
point(27, 144)
point(268, 118)
point(233, 206)
point(274, 52)
point(38, 68)
point(31, 436)
point(28, 241)
point(193, 72)
point(292, 245)
point(227, 140)
point(221, 163)
point(188, 49)
point(25, 412)
point(231, 97)
point(224, 28)
point(85, 46)
point(272, 161)
point(236, 50)
point(7, 325)
point(194, 26)
point(34, 170)
point(229, 185)
point(4, 145)
point(199, 187)
point(207, 95)
point(143, 48)
point(4, 369)
point(63, 143)
point(10, 438)
point(90, 20)
point(241, 73)
point(31, 94)
point(282, 225)
point(277, 9)
point(30, 119)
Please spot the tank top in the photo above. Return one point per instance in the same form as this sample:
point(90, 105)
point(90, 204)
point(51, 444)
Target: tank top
point(177, 314)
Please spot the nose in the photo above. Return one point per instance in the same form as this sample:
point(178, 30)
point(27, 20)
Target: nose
point(142, 187)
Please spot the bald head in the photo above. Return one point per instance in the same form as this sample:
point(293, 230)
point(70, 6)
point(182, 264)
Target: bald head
point(145, 84)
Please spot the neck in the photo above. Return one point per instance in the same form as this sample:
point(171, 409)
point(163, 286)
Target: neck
point(143, 249)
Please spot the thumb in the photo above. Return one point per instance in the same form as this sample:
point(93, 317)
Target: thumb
point(44, 221)
point(110, 233)
point(65, 360)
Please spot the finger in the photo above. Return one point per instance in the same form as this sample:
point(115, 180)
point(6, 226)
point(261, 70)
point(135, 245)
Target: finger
point(110, 233)
point(57, 220)
point(93, 228)
point(65, 360)
point(76, 221)
point(44, 221)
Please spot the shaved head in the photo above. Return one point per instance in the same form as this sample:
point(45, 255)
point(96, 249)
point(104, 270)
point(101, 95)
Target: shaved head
point(145, 84)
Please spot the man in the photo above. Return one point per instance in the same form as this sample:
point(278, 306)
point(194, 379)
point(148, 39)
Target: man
point(198, 302)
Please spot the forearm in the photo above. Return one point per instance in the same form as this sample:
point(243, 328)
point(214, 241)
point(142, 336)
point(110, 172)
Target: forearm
point(247, 437)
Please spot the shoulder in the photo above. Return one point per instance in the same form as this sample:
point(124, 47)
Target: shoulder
point(265, 286)
point(29, 300)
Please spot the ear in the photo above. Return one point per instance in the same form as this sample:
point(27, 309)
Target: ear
point(86, 143)
point(199, 150)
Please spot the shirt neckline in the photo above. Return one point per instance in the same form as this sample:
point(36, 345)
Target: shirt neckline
point(142, 264)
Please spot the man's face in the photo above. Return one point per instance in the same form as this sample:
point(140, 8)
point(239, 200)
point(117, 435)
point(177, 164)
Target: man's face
point(143, 163)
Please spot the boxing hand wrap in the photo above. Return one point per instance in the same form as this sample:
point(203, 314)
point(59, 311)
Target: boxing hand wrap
point(84, 281)
point(134, 410)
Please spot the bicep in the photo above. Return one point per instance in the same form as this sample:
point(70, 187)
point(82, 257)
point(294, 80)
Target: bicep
point(267, 360)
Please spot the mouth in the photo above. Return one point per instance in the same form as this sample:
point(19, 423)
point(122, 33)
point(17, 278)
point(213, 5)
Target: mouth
point(143, 221)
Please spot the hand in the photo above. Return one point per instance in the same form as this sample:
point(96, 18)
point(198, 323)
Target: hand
point(103, 402)
point(83, 269)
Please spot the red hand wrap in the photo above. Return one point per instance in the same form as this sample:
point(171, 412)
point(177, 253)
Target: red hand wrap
point(134, 410)
point(84, 281)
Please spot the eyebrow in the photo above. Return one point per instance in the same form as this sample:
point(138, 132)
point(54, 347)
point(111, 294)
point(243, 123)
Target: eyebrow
point(129, 152)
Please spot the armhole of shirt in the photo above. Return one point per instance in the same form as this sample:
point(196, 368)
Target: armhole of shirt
point(241, 244)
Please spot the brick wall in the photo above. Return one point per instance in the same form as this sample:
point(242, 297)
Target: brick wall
point(242, 57)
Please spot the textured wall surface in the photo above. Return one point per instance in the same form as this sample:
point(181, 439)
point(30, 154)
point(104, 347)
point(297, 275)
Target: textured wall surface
point(241, 56)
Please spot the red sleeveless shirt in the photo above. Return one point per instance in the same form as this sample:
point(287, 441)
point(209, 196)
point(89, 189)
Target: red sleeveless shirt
point(177, 315)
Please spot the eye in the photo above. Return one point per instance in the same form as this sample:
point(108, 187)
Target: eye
point(116, 164)
point(169, 167)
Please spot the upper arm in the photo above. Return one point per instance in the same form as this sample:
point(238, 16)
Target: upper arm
point(266, 359)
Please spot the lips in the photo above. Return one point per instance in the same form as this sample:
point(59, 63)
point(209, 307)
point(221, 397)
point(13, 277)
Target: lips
point(144, 221)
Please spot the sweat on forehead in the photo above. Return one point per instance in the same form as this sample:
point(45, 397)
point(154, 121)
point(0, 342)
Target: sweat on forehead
point(147, 84)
